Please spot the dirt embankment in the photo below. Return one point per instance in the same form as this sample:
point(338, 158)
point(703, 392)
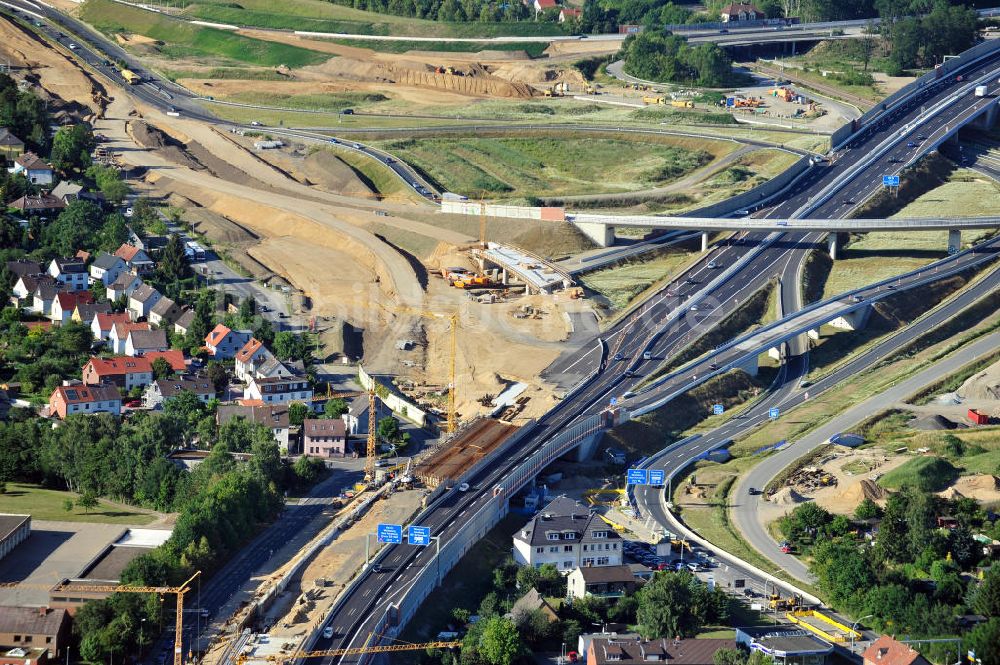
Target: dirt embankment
point(55, 77)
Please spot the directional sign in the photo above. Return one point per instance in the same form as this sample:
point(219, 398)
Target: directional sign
point(419, 535)
point(637, 477)
point(657, 477)
point(718, 409)
point(614, 400)
point(389, 533)
point(730, 102)
point(773, 413)
point(890, 181)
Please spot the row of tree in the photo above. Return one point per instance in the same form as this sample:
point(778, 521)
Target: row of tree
point(665, 57)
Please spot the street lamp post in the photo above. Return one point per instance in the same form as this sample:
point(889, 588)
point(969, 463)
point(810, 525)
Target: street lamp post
point(855, 625)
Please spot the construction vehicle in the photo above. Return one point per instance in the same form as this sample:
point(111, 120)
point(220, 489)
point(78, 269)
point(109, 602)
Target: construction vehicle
point(777, 603)
point(131, 77)
point(590, 90)
point(67, 586)
point(682, 104)
point(473, 282)
point(652, 100)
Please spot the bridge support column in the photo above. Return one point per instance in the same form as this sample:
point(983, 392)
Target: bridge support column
point(813, 333)
point(602, 234)
point(833, 242)
point(855, 320)
point(954, 241)
point(704, 241)
point(774, 353)
point(588, 447)
point(750, 366)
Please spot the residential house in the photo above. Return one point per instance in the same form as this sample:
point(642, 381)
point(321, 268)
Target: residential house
point(604, 581)
point(44, 294)
point(11, 147)
point(532, 602)
point(120, 332)
point(65, 303)
point(738, 12)
point(67, 191)
point(183, 322)
point(324, 437)
point(569, 536)
point(541, 5)
point(38, 205)
point(85, 312)
point(175, 357)
point(101, 326)
point(636, 651)
point(278, 389)
point(273, 416)
point(106, 268)
point(34, 168)
point(151, 244)
point(137, 259)
point(164, 312)
point(140, 342)
point(14, 529)
point(786, 644)
point(141, 301)
point(568, 14)
point(887, 651)
point(126, 283)
point(70, 272)
point(26, 285)
point(22, 267)
point(161, 391)
point(123, 371)
point(34, 627)
point(223, 343)
point(252, 358)
point(68, 400)
point(356, 417)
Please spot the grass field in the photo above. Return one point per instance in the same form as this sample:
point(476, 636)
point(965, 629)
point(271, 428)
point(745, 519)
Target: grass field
point(377, 175)
point(317, 102)
point(46, 504)
point(549, 166)
point(967, 194)
point(533, 49)
point(932, 474)
point(183, 40)
point(319, 16)
point(621, 284)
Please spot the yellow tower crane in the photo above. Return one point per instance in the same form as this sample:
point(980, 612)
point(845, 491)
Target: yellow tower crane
point(370, 459)
point(180, 591)
point(352, 651)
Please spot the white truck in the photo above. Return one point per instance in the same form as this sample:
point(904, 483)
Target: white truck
point(980, 91)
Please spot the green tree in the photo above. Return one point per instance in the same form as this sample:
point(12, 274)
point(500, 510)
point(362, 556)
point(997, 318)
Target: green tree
point(986, 599)
point(867, 510)
point(334, 408)
point(500, 643)
point(217, 374)
point(88, 501)
point(71, 148)
point(289, 346)
point(388, 429)
point(108, 180)
point(173, 265)
point(983, 639)
point(297, 413)
point(162, 368)
point(729, 657)
point(247, 311)
point(68, 505)
point(665, 604)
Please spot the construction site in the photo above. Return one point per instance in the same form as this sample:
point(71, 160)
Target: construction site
point(461, 453)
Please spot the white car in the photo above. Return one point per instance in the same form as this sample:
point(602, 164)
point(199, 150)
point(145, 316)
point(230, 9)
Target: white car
point(128, 212)
point(72, 46)
point(255, 123)
point(464, 487)
point(328, 632)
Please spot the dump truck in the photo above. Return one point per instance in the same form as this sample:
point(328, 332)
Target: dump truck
point(653, 100)
point(130, 77)
point(682, 104)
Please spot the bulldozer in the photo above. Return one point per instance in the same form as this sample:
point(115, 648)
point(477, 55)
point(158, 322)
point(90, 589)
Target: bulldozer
point(779, 604)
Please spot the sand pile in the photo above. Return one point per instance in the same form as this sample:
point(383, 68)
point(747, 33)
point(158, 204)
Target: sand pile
point(932, 423)
point(329, 172)
point(152, 138)
point(983, 385)
point(786, 496)
point(865, 489)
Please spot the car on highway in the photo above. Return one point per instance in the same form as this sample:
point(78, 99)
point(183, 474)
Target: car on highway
point(348, 111)
point(713, 265)
point(848, 202)
point(328, 632)
point(911, 144)
point(857, 297)
point(647, 355)
point(782, 223)
point(73, 46)
point(390, 160)
point(376, 568)
point(752, 491)
point(256, 123)
point(359, 146)
point(742, 213)
point(628, 394)
point(619, 357)
point(464, 487)
point(334, 141)
point(713, 366)
point(694, 308)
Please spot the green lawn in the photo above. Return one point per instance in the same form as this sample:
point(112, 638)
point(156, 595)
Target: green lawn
point(183, 40)
point(932, 474)
point(314, 102)
point(319, 16)
point(46, 504)
point(621, 284)
point(533, 49)
point(545, 166)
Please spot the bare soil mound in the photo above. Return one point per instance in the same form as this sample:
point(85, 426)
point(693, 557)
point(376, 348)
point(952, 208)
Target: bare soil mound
point(327, 171)
point(983, 385)
point(786, 496)
point(984, 488)
point(151, 138)
point(932, 423)
point(865, 489)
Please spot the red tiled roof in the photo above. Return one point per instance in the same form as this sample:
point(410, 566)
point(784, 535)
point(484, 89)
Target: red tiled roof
point(127, 252)
point(68, 300)
point(30, 160)
point(545, 4)
point(82, 394)
point(736, 8)
point(119, 365)
point(887, 651)
point(174, 356)
point(250, 348)
point(105, 321)
point(218, 334)
point(566, 11)
point(250, 402)
point(124, 329)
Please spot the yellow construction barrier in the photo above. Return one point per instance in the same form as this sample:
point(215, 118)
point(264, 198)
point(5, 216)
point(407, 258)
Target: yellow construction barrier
point(840, 632)
point(614, 525)
point(604, 497)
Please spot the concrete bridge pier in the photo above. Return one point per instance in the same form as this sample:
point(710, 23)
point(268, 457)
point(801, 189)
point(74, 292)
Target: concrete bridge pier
point(853, 320)
point(750, 366)
point(954, 241)
point(813, 333)
point(704, 241)
point(602, 234)
point(833, 243)
point(588, 447)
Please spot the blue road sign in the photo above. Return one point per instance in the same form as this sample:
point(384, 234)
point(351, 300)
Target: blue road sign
point(718, 409)
point(773, 413)
point(890, 181)
point(637, 477)
point(657, 477)
point(389, 533)
point(730, 102)
point(419, 535)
